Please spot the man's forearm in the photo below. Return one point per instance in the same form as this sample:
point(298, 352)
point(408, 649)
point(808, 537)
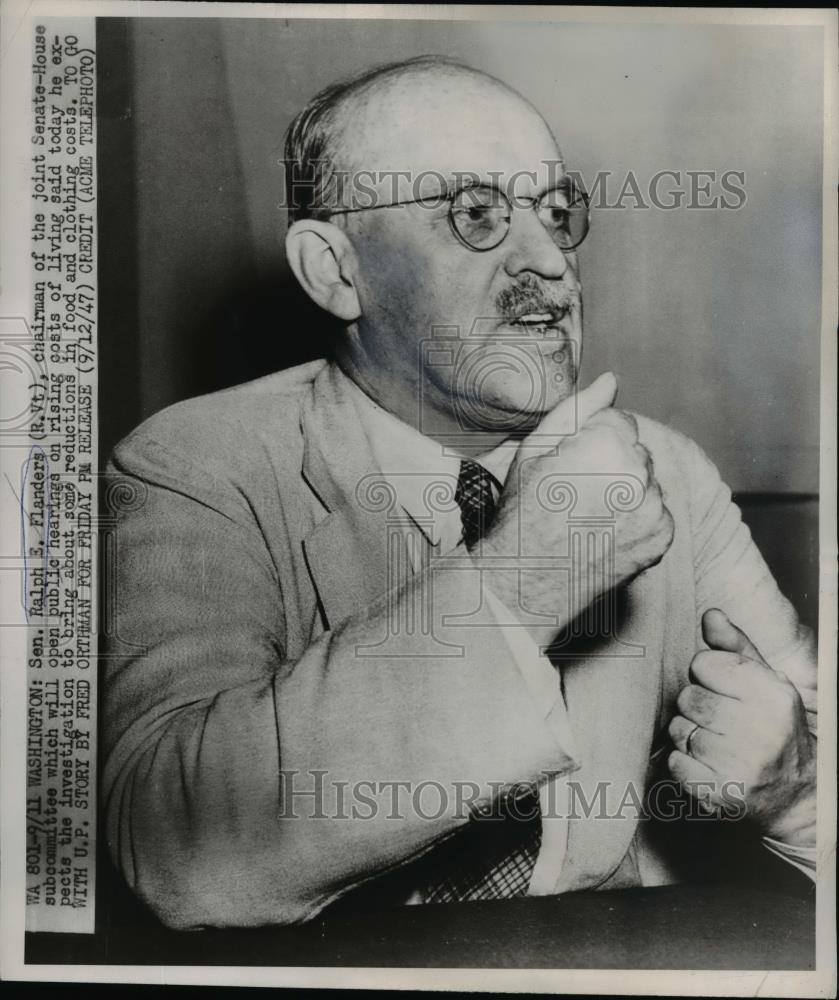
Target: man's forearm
point(213, 813)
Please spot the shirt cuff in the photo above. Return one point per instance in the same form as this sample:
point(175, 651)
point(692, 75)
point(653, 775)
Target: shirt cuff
point(802, 858)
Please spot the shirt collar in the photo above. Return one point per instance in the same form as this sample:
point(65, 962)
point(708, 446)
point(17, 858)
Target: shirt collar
point(408, 459)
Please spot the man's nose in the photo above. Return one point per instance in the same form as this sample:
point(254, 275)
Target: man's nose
point(530, 248)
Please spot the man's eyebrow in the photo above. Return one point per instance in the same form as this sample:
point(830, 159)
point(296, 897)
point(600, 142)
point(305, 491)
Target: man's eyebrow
point(565, 183)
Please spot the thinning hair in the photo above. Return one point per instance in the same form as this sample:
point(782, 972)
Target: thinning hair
point(315, 156)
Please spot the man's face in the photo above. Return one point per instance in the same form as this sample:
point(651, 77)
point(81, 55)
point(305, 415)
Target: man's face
point(486, 339)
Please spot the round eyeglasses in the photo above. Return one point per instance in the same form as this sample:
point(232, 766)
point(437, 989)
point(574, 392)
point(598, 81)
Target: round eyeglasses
point(480, 216)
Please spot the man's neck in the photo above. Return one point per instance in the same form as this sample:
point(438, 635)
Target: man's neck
point(439, 424)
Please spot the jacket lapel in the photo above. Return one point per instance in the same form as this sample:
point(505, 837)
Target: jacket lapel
point(347, 550)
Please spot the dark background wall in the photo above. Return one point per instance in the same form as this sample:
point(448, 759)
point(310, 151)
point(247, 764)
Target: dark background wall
point(711, 319)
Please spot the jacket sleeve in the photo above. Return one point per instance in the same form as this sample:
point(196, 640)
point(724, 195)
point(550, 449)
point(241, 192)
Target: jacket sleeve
point(732, 575)
point(213, 737)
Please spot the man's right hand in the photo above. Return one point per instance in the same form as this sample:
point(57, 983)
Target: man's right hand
point(583, 442)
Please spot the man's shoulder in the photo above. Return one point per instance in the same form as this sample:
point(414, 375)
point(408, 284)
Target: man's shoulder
point(235, 441)
point(229, 423)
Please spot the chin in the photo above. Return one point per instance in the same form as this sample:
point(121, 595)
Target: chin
point(508, 411)
point(506, 403)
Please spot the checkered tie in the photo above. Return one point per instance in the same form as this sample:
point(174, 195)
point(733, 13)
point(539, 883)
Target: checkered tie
point(476, 500)
point(493, 858)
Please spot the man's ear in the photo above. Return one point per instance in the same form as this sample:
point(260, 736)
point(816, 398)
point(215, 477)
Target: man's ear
point(321, 257)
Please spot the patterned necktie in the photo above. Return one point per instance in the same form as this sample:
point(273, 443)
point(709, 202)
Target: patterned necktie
point(475, 498)
point(494, 856)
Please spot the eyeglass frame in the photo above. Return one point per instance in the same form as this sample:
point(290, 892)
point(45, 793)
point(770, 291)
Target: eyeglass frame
point(451, 195)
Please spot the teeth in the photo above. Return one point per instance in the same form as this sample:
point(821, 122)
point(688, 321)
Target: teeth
point(535, 318)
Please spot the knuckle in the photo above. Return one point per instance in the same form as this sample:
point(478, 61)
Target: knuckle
point(654, 508)
point(652, 492)
point(667, 528)
point(702, 659)
point(683, 698)
point(661, 527)
point(644, 460)
point(631, 422)
point(705, 663)
point(602, 436)
point(675, 763)
point(647, 483)
point(626, 423)
point(618, 423)
point(600, 420)
point(655, 557)
point(649, 503)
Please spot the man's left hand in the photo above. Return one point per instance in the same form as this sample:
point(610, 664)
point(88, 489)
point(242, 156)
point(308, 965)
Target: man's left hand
point(741, 722)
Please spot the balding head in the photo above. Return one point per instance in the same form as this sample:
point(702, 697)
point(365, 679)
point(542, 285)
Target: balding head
point(419, 117)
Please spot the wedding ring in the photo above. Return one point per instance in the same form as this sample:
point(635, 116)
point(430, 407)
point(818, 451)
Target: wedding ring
point(690, 736)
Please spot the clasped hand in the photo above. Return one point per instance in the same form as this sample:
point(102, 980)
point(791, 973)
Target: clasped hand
point(587, 445)
point(741, 727)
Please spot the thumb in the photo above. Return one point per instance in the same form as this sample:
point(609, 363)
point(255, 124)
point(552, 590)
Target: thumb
point(569, 416)
point(719, 632)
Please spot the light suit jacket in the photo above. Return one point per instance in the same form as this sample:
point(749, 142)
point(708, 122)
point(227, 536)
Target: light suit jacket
point(256, 655)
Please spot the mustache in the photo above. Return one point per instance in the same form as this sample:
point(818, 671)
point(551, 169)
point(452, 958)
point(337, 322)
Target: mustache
point(532, 295)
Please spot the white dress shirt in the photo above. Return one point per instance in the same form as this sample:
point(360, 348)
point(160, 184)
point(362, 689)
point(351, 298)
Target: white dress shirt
point(409, 461)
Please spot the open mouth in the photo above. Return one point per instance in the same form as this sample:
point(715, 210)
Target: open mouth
point(539, 321)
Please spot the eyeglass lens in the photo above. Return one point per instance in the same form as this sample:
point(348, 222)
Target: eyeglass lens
point(481, 216)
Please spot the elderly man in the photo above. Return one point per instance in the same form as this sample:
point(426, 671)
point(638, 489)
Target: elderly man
point(425, 617)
